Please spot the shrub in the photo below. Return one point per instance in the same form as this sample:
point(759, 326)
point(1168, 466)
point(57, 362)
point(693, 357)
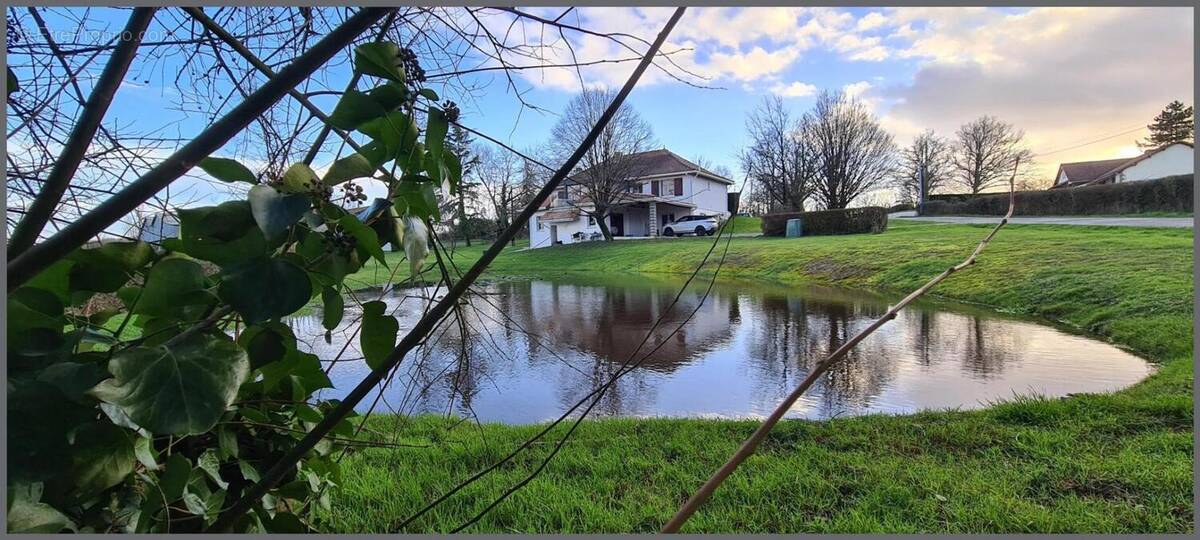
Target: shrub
point(1170, 194)
point(870, 219)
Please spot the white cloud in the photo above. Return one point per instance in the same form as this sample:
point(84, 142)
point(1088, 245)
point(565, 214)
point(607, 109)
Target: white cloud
point(1061, 74)
point(856, 90)
point(871, 21)
point(795, 89)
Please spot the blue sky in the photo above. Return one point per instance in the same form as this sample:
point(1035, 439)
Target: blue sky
point(1060, 74)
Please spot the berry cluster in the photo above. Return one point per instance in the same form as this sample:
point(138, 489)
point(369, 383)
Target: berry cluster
point(337, 241)
point(451, 110)
point(413, 72)
point(353, 192)
point(14, 33)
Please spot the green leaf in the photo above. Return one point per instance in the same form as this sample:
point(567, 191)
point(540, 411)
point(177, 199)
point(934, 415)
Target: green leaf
point(429, 94)
point(299, 178)
point(143, 448)
point(275, 212)
point(435, 133)
point(227, 442)
point(396, 131)
point(334, 307)
point(101, 457)
point(248, 471)
point(264, 289)
point(390, 95)
point(418, 197)
point(211, 465)
point(180, 391)
point(74, 379)
point(55, 279)
point(452, 168)
point(297, 367)
point(227, 170)
point(355, 108)
point(14, 85)
point(175, 477)
point(381, 59)
point(378, 334)
point(27, 515)
point(366, 238)
point(108, 267)
point(267, 343)
point(348, 168)
point(223, 234)
point(172, 285)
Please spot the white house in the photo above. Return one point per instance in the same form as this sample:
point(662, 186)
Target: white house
point(1170, 160)
point(669, 188)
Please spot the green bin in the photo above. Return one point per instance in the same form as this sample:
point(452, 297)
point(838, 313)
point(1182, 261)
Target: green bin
point(793, 228)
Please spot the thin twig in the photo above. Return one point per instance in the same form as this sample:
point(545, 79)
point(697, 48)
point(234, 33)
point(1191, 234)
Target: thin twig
point(759, 434)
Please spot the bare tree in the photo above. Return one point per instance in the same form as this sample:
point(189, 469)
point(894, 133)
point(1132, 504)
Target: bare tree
point(778, 162)
point(853, 152)
point(500, 177)
point(609, 167)
point(928, 158)
point(985, 152)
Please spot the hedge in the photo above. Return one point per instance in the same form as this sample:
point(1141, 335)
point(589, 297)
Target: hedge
point(870, 219)
point(1170, 194)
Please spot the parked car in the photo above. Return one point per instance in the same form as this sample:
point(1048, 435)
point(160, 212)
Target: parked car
point(697, 225)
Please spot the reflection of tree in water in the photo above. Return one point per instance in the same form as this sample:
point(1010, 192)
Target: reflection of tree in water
point(981, 347)
point(798, 332)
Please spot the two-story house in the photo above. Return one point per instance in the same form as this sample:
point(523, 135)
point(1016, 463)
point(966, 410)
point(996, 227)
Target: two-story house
point(668, 188)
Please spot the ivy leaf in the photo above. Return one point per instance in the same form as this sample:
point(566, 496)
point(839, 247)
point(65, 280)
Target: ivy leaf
point(227, 170)
point(267, 343)
point(348, 168)
point(435, 133)
point(334, 307)
point(101, 457)
point(143, 448)
point(175, 477)
point(429, 94)
point(390, 96)
point(355, 108)
point(183, 390)
point(381, 59)
point(297, 367)
point(211, 466)
point(396, 131)
point(73, 379)
point(223, 234)
point(106, 268)
point(366, 238)
point(264, 289)
point(418, 197)
point(26, 514)
point(275, 212)
point(171, 285)
point(299, 178)
point(56, 279)
point(378, 335)
point(14, 85)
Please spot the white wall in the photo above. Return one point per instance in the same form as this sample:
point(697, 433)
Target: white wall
point(1176, 159)
point(541, 238)
point(710, 197)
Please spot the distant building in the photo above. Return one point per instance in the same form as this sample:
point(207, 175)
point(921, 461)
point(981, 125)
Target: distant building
point(669, 188)
point(1170, 160)
point(154, 228)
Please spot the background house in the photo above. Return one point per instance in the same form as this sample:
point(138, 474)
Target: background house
point(669, 188)
point(1170, 160)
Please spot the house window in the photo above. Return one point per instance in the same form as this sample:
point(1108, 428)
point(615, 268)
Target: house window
point(537, 222)
point(679, 186)
point(655, 187)
point(591, 220)
point(564, 194)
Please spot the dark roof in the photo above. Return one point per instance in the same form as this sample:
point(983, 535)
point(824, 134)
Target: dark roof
point(1098, 172)
point(663, 161)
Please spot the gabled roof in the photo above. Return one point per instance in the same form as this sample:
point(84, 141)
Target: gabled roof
point(1098, 172)
point(665, 162)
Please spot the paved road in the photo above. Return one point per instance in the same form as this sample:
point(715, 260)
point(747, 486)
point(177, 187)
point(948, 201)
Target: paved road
point(1179, 222)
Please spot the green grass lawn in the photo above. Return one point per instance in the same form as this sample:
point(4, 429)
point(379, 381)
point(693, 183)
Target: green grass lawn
point(1119, 462)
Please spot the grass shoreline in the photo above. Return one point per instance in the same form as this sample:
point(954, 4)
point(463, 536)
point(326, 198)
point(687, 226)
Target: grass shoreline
point(1118, 462)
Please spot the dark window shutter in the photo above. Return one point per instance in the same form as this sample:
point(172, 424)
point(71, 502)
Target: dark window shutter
point(679, 186)
point(654, 187)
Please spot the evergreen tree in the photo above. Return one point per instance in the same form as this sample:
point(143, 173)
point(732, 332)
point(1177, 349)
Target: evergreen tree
point(460, 142)
point(1174, 124)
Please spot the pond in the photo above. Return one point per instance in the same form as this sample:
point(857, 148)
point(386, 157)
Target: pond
point(533, 348)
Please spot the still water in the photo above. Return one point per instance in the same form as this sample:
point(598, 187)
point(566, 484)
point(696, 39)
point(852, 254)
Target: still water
point(534, 348)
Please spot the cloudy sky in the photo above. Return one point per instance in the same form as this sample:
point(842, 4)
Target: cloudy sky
point(1067, 76)
point(1081, 82)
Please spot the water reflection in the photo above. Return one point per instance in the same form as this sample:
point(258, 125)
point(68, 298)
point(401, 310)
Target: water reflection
point(525, 351)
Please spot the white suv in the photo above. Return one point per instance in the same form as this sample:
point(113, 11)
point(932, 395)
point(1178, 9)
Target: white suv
point(697, 225)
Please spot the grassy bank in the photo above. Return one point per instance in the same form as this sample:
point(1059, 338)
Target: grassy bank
point(1097, 463)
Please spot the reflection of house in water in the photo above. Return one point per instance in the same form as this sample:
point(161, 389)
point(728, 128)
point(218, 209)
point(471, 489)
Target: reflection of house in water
point(611, 322)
